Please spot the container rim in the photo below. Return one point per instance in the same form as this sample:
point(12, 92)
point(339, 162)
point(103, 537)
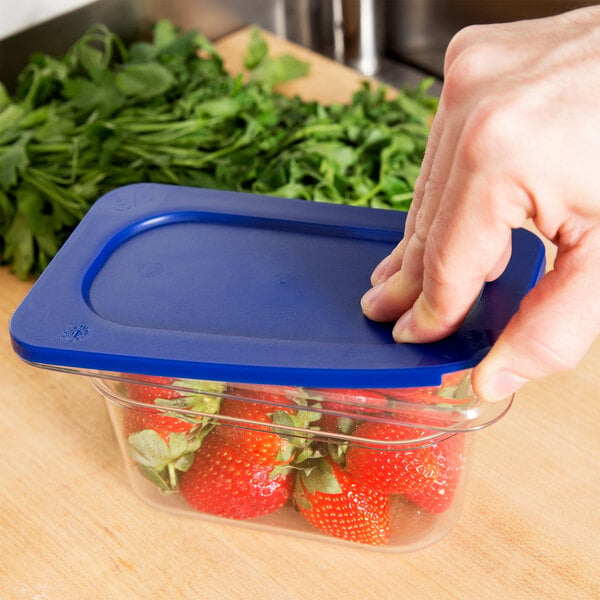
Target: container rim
point(430, 432)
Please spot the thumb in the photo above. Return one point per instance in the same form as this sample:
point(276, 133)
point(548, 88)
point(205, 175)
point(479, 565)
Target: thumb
point(554, 327)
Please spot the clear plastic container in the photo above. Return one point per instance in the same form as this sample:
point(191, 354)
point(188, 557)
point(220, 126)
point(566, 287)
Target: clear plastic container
point(263, 397)
point(381, 468)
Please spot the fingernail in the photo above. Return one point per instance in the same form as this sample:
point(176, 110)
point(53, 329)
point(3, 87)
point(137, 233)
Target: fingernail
point(370, 297)
point(380, 271)
point(401, 332)
point(502, 385)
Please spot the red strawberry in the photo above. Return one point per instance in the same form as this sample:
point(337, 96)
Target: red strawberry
point(392, 468)
point(336, 424)
point(159, 420)
point(419, 395)
point(348, 405)
point(332, 501)
point(138, 419)
point(421, 406)
point(202, 397)
point(226, 481)
point(171, 392)
point(147, 388)
point(271, 405)
point(438, 496)
point(454, 379)
point(258, 403)
point(162, 441)
point(353, 401)
point(453, 390)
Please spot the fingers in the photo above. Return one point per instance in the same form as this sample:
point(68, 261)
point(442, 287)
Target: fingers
point(459, 236)
point(492, 161)
point(398, 278)
point(501, 264)
point(390, 302)
point(556, 324)
point(393, 262)
point(460, 243)
point(453, 273)
point(396, 294)
point(427, 166)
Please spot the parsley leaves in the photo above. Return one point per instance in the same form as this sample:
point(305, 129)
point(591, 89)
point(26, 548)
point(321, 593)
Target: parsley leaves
point(107, 114)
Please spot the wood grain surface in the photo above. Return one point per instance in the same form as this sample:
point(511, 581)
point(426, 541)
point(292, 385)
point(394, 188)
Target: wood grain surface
point(71, 528)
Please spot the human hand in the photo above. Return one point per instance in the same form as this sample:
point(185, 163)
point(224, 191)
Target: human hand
point(516, 136)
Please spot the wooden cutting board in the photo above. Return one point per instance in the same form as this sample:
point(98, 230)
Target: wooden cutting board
point(70, 527)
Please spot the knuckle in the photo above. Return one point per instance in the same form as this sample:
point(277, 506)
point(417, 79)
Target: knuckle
point(490, 131)
point(421, 229)
point(468, 67)
point(464, 38)
point(434, 318)
point(436, 265)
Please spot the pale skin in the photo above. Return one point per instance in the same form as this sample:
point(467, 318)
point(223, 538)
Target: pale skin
point(516, 137)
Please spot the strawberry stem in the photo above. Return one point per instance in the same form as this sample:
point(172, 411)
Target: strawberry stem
point(172, 476)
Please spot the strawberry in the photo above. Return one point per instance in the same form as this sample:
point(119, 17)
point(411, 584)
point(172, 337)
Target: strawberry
point(242, 470)
point(226, 481)
point(161, 421)
point(343, 407)
point(438, 496)
point(453, 390)
point(418, 395)
point(336, 504)
point(260, 441)
point(426, 474)
point(392, 468)
point(162, 442)
point(272, 405)
point(454, 379)
point(336, 424)
point(353, 401)
point(269, 395)
point(147, 388)
point(201, 396)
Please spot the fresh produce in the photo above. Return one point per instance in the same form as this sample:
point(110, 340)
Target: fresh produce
point(240, 471)
point(352, 402)
point(226, 481)
point(263, 404)
point(391, 468)
point(342, 407)
point(242, 451)
point(426, 472)
point(437, 496)
point(199, 395)
point(454, 389)
point(338, 505)
point(162, 442)
point(455, 392)
point(108, 114)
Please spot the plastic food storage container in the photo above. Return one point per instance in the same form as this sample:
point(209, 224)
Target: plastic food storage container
point(225, 334)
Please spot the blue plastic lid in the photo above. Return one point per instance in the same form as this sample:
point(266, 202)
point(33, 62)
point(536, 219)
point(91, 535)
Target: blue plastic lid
point(206, 284)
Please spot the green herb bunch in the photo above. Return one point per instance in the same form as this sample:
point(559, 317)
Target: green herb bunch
point(109, 114)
